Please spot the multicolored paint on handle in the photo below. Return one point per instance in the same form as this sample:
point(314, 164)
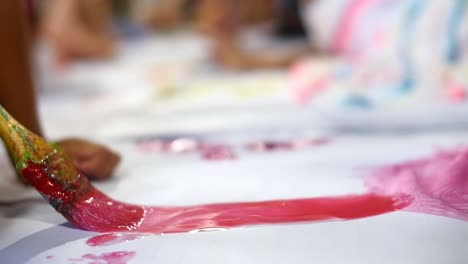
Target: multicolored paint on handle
point(42, 164)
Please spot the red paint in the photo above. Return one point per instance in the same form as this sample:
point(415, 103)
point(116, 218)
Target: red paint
point(38, 176)
point(111, 239)
point(94, 211)
point(49, 257)
point(95, 214)
point(192, 218)
point(117, 257)
point(439, 184)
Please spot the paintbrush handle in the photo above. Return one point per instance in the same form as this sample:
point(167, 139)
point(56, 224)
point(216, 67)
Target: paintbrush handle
point(43, 165)
point(17, 139)
point(26, 147)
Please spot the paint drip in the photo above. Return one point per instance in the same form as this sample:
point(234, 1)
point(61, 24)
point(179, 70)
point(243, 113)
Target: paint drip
point(111, 239)
point(117, 257)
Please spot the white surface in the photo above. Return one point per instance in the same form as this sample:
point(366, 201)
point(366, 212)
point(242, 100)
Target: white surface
point(30, 230)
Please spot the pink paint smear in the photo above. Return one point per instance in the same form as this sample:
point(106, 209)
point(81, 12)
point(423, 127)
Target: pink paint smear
point(117, 257)
point(438, 184)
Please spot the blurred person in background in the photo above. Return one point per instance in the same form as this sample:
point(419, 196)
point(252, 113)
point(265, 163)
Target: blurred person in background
point(78, 29)
point(254, 34)
point(85, 29)
point(81, 29)
point(17, 93)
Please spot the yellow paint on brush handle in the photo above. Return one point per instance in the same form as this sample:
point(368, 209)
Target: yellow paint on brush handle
point(24, 146)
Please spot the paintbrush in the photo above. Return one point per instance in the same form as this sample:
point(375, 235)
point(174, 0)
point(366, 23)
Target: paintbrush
point(52, 172)
point(46, 167)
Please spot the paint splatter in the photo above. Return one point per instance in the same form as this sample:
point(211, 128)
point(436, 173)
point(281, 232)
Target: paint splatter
point(50, 257)
point(111, 239)
point(439, 184)
point(218, 151)
point(179, 145)
point(206, 151)
point(117, 257)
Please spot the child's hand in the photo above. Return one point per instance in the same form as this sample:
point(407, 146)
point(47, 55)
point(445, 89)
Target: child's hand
point(95, 161)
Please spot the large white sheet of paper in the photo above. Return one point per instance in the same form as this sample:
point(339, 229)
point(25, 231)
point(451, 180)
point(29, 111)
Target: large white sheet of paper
point(32, 232)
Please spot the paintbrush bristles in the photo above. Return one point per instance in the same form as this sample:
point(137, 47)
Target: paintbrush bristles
point(53, 174)
point(27, 148)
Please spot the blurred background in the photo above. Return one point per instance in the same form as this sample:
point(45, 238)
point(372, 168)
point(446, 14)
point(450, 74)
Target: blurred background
point(219, 64)
point(203, 65)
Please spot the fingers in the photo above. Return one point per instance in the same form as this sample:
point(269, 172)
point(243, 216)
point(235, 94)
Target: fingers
point(93, 160)
point(98, 164)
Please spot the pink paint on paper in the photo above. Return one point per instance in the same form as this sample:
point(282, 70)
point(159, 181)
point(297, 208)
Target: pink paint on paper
point(180, 145)
point(218, 151)
point(439, 184)
point(117, 257)
point(206, 151)
point(111, 239)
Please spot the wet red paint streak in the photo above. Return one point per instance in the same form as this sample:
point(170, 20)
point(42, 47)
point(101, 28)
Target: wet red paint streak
point(118, 257)
point(95, 211)
point(193, 218)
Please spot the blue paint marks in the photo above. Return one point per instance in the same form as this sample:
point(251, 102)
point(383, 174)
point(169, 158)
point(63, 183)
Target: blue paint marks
point(357, 101)
point(452, 48)
point(414, 11)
